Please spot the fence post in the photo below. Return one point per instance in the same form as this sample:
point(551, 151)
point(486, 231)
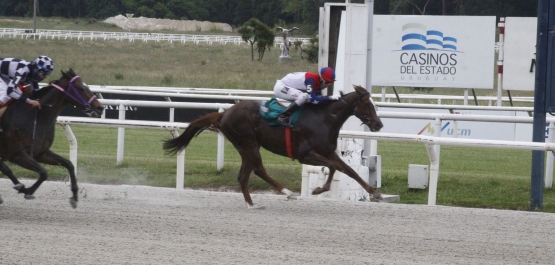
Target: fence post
point(305, 177)
point(434, 173)
point(220, 155)
point(172, 110)
point(433, 154)
point(180, 170)
point(549, 158)
point(72, 145)
point(121, 135)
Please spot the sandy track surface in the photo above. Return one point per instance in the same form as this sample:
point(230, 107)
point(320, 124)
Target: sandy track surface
point(146, 225)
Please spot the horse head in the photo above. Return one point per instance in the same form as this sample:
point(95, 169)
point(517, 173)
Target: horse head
point(78, 93)
point(365, 110)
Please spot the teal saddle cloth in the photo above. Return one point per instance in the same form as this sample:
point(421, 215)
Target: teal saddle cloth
point(271, 109)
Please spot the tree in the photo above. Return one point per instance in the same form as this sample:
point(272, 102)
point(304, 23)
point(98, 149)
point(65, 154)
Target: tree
point(102, 8)
point(310, 53)
point(256, 32)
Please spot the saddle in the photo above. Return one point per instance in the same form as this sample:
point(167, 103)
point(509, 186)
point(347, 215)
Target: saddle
point(271, 109)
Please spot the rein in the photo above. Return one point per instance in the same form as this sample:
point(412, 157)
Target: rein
point(78, 98)
point(358, 100)
point(365, 119)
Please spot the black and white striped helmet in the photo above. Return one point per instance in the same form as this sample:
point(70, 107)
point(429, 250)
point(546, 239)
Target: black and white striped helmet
point(44, 63)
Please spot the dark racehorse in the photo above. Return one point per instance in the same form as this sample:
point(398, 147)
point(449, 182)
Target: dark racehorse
point(28, 132)
point(313, 139)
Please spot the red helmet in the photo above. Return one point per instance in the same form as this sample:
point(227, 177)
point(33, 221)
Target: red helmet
point(327, 74)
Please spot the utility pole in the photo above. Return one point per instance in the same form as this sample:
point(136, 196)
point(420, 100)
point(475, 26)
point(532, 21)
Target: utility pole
point(544, 95)
point(35, 16)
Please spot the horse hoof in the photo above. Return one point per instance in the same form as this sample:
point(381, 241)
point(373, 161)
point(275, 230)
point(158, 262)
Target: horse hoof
point(73, 202)
point(292, 197)
point(318, 191)
point(378, 198)
point(29, 197)
point(18, 187)
point(290, 194)
point(256, 207)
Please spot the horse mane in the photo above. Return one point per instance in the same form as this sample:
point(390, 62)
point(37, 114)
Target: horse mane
point(326, 103)
point(41, 92)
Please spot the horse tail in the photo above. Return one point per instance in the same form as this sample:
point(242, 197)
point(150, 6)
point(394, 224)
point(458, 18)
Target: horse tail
point(209, 121)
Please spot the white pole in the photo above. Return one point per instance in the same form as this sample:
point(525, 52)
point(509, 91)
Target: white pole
point(180, 169)
point(334, 184)
point(121, 136)
point(220, 154)
point(72, 145)
point(549, 158)
point(434, 173)
point(437, 133)
point(305, 181)
point(434, 156)
point(172, 110)
point(370, 146)
point(35, 16)
point(500, 55)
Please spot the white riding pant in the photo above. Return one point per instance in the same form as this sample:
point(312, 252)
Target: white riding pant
point(289, 93)
point(4, 98)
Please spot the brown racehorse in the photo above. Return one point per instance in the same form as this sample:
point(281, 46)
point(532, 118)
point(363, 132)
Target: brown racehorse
point(28, 132)
point(313, 139)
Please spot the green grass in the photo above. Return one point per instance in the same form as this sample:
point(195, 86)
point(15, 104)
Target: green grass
point(122, 63)
point(469, 177)
point(159, 63)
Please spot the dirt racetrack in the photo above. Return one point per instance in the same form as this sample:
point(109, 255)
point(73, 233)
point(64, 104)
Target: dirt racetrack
point(146, 225)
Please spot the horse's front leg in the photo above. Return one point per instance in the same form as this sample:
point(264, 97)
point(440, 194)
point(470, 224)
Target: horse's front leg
point(343, 167)
point(316, 159)
point(52, 158)
point(334, 163)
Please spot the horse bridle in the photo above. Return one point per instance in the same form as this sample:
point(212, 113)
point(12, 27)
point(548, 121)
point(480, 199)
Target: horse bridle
point(364, 118)
point(77, 98)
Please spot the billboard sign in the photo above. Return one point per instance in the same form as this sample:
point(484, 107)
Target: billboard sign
point(459, 129)
point(519, 58)
point(433, 51)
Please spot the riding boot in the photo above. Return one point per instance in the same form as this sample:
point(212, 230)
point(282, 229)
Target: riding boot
point(283, 118)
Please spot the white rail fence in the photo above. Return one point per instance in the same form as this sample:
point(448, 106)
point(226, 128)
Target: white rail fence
point(384, 98)
point(431, 143)
point(131, 36)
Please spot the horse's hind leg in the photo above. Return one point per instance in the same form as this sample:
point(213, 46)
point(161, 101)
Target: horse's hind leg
point(8, 172)
point(28, 163)
point(261, 172)
point(17, 185)
point(243, 178)
point(256, 161)
point(52, 158)
point(251, 159)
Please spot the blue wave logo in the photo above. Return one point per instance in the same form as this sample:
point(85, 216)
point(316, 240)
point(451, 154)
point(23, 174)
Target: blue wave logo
point(416, 36)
